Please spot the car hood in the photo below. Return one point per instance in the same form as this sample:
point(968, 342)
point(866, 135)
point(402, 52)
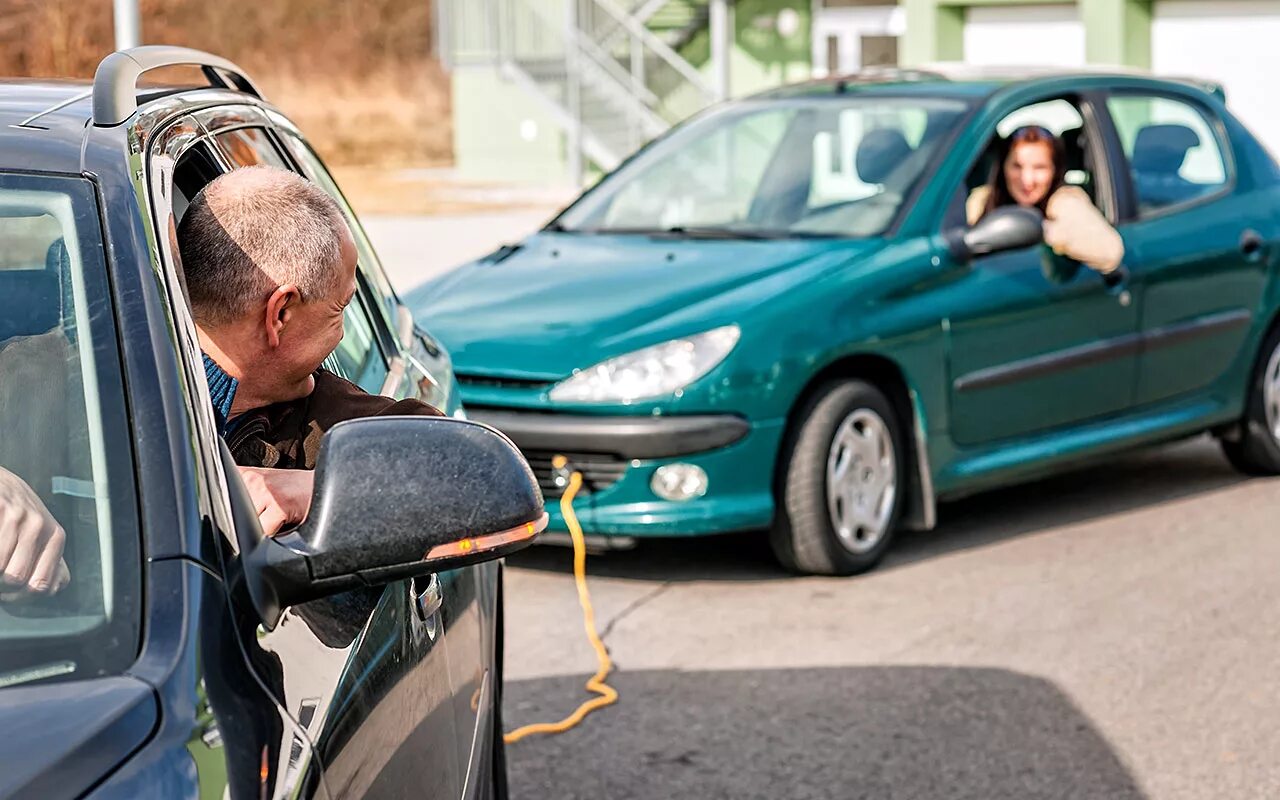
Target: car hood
point(560, 302)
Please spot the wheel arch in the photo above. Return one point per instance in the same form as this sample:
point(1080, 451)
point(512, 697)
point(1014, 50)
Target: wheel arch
point(885, 374)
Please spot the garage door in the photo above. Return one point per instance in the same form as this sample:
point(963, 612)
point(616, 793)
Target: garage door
point(1235, 42)
point(1034, 34)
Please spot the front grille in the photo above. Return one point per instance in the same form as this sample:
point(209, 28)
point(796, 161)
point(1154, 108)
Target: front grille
point(599, 470)
point(502, 383)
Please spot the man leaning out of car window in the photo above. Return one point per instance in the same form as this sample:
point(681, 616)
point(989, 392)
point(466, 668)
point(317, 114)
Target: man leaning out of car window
point(270, 267)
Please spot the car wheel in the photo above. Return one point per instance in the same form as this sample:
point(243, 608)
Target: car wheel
point(842, 482)
point(1256, 448)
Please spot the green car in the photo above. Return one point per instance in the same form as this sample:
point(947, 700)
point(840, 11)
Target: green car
point(776, 318)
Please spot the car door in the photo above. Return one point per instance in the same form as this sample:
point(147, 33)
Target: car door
point(1037, 342)
point(1203, 244)
point(420, 368)
point(365, 672)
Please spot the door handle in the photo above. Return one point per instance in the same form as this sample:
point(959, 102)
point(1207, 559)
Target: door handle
point(1252, 244)
point(427, 599)
point(1117, 283)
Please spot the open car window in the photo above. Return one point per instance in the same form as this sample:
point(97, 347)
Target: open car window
point(1064, 118)
point(358, 357)
point(65, 433)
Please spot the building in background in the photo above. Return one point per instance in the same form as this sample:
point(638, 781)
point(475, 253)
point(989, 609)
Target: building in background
point(552, 90)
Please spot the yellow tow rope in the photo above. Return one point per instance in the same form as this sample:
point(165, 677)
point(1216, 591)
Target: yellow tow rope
point(607, 694)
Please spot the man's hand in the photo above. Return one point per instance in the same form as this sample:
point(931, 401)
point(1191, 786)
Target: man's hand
point(31, 543)
point(281, 497)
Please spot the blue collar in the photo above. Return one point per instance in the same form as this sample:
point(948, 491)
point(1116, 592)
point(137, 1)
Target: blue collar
point(222, 390)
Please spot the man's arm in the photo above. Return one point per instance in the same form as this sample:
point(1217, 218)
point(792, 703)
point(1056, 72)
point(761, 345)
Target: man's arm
point(31, 542)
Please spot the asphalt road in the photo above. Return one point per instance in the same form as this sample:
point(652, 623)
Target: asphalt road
point(1105, 634)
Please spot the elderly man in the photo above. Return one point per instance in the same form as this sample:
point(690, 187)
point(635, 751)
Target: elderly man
point(270, 267)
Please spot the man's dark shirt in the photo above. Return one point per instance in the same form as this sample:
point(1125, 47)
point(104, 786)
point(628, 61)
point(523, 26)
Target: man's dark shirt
point(287, 435)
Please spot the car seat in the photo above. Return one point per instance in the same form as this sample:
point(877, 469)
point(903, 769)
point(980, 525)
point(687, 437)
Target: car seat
point(30, 302)
point(881, 152)
point(1158, 154)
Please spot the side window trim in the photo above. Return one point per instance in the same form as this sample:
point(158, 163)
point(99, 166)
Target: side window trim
point(1223, 142)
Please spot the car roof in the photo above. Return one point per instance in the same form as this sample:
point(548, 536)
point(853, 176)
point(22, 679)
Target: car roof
point(43, 122)
point(57, 104)
point(962, 80)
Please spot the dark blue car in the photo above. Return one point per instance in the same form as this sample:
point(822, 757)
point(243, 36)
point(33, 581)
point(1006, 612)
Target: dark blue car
point(189, 656)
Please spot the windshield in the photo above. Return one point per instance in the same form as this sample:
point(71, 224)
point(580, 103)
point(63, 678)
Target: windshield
point(823, 166)
point(69, 592)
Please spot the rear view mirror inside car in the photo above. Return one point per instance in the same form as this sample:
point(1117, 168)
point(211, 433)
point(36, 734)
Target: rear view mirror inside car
point(395, 497)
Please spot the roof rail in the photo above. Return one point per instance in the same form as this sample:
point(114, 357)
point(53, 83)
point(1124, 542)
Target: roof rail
point(115, 84)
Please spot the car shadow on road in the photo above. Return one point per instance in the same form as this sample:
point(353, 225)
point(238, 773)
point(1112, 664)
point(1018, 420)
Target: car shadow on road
point(857, 732)
point(1133, 481)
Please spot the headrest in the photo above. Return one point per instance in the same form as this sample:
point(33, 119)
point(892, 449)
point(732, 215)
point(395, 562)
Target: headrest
point(30, 302)
point(1163, 148)
point(880, 152)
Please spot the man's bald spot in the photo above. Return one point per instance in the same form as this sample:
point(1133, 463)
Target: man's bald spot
point(253, 230)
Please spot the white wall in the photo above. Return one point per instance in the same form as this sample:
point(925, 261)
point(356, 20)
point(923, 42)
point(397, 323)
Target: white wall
point(849, 25)
point(1051, 35)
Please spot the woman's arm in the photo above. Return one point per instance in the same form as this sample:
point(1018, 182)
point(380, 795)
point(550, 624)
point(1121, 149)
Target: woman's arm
point(1075, 228)
point(976, 204)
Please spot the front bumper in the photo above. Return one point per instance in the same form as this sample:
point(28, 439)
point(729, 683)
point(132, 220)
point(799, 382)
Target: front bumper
point(618, 455)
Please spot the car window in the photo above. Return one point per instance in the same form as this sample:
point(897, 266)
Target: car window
point(810, 166)
point(1173, 153)
point(64, 445)
point(245, 147)
point(357, 358)
point(710, 181)
point(1062, 118)
point(370, 266)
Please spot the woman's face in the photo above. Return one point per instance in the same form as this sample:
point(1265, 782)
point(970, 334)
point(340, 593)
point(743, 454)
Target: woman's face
point(1028, 172)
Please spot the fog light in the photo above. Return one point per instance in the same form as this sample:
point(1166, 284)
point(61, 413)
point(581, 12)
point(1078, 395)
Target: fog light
point(679, 482)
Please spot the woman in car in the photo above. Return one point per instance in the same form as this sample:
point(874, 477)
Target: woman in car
point(1029, 172)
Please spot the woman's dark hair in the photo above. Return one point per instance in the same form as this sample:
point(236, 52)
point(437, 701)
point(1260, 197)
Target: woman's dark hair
point(1027, 134)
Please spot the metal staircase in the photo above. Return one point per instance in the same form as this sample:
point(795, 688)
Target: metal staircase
point(609, 72)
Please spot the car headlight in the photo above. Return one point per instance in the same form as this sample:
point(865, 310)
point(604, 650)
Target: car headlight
point(651, 372)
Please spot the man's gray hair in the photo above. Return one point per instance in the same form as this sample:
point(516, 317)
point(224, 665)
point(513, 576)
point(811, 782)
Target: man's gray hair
point(253, 230)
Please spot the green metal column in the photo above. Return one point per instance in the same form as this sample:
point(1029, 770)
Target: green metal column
point(935, 32)
point(1117, 32)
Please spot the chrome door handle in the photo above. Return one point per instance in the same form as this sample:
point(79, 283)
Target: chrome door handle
point(428, 599)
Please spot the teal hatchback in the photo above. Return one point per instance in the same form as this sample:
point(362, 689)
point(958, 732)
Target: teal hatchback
point(776, 317)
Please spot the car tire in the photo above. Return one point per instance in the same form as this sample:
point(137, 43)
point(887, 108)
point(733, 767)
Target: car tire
point(1255, 447)
point(842, 482)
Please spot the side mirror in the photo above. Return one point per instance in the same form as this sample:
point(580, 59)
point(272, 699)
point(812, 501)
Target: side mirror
point(395, 497)
point(1005, 228)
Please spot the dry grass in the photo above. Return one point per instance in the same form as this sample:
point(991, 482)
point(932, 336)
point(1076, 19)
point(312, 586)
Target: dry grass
point(391, 119)
point(358, 76)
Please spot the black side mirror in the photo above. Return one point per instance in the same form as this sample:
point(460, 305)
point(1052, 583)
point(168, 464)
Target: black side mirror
point(395, 497)
point(1005, 228)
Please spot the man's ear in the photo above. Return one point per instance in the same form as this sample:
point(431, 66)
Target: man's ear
point(280, 308)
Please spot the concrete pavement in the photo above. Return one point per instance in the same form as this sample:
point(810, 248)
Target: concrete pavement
point(1102, 634)
point(413, 249)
